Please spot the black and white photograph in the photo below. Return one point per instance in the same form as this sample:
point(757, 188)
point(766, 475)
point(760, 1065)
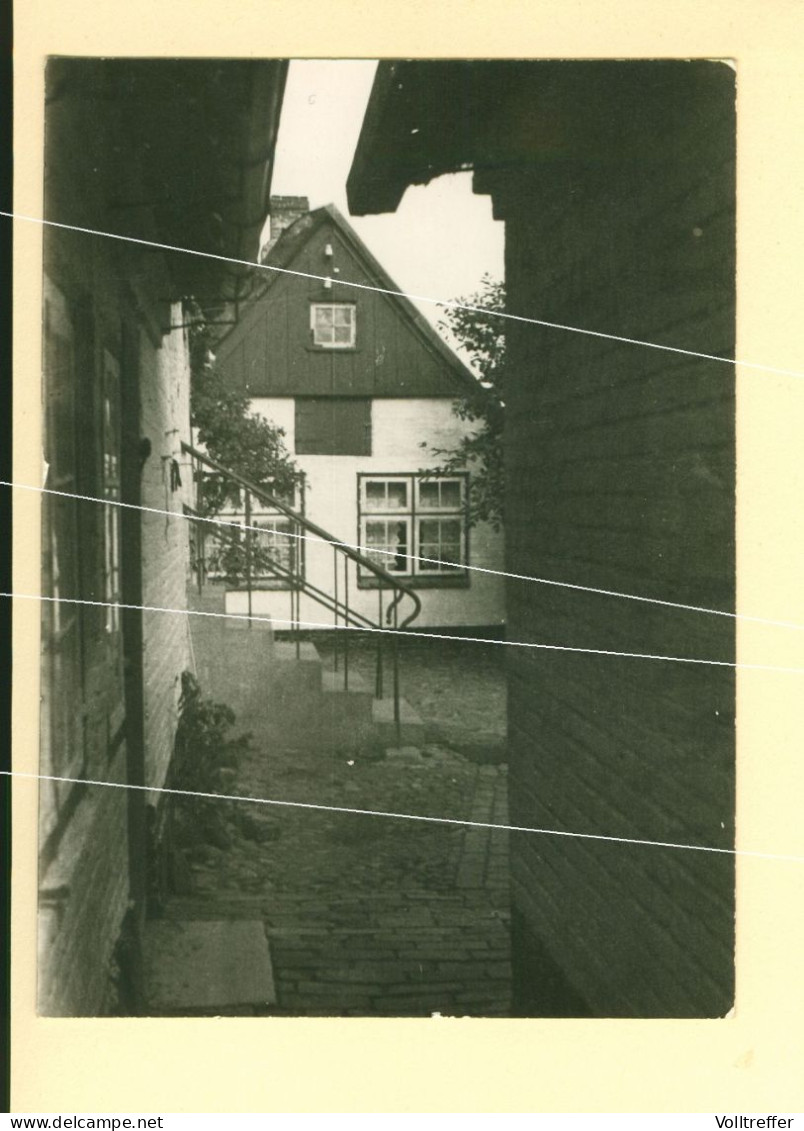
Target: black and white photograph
point(388, 538)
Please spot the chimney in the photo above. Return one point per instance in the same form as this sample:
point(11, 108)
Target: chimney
point(285, 210)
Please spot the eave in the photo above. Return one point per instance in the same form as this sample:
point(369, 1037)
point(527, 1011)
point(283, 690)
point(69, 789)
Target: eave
point(506, 118)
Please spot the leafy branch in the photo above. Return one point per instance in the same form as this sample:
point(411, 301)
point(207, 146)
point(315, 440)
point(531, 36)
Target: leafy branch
point(479, 334)
point(248, 444)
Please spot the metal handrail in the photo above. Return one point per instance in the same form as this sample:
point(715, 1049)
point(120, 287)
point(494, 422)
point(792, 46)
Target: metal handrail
point(228, 530)
point(401, 590)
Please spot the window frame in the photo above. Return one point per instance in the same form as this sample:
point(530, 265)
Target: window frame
point(303, 445)
point(262, 516)
point(430, 568)
point(418, 574)
point(111, 490)
point(387, 560)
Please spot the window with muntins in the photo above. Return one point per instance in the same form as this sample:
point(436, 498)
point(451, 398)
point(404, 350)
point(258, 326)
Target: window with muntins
point(333, 325)
point(413, 525)
point(333, 426)
point(274, 543)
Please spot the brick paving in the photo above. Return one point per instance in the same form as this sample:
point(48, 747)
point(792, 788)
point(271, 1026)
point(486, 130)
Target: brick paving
point(374, 916)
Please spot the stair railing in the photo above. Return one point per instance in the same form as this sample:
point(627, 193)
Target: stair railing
point(338, 601)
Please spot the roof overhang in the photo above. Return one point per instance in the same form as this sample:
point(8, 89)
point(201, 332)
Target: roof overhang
point(503, 117)
point(200, 136)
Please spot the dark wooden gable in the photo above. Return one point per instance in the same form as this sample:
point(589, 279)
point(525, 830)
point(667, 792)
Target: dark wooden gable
point(271, 353)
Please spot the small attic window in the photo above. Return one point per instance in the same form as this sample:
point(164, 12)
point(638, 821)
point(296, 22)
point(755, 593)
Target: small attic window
point(334, 324)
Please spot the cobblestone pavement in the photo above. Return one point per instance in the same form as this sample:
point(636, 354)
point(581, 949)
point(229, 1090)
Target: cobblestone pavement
point(371, 915)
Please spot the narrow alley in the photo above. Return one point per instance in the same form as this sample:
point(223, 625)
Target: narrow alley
point(372, 915)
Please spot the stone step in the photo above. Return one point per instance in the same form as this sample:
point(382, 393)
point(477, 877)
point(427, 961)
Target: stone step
point(334, 682)
point(226, 626)
point(303, 704)
point(210, 599)
point(206, 966)
point(411, 726)
point(240, 623)
point(302, 661)
point(213, 599)
point(283, 693)
point(252, 671)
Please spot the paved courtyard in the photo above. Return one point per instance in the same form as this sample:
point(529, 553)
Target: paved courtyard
point(367, 914)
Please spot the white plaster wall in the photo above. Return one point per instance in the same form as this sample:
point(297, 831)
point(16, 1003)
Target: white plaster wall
point(399, 427)
point(164, 392)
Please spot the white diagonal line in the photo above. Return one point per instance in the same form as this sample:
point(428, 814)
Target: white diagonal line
point(406, 294)
point(391, 553)
point(320, 807)
point(537, 645)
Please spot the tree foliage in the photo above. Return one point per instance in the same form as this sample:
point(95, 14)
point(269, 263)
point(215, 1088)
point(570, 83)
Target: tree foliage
point(230, 433)
point(251, 446)
point(474, 323)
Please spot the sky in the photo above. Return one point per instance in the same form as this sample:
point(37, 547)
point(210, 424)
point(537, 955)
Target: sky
point(456, 239)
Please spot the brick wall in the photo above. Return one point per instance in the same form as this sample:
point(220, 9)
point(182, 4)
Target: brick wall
point(165, 421)
point(77, 934)
point(108, 293)
point(285, 210)
point(621, 465)
point(83, 873)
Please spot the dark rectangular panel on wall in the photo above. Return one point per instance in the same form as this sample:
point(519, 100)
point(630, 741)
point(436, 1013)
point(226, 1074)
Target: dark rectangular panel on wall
point(333, 426)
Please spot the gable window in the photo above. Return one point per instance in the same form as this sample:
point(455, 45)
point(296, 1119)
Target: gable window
point(414, 526)
point(333, 426)
point(333, 324)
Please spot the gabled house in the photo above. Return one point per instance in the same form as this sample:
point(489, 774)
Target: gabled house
point(176, 152)
point(364, 388)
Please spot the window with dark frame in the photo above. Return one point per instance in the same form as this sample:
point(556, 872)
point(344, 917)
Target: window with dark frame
point(277, 545)
point(414, 525)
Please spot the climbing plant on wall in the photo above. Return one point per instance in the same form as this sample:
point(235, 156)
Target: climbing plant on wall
point(229, 431)
point(241, 441)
